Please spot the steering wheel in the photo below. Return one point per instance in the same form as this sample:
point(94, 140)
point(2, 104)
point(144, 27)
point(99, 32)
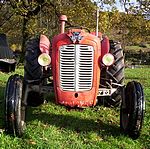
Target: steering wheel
point(78, 27)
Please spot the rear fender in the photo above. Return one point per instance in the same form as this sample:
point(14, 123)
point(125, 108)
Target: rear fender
point(105, 46)
point(44, 44)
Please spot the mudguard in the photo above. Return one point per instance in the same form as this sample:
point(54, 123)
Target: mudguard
point(44, 44)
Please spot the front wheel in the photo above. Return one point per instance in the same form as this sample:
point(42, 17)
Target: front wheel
point(132, 110)
point(14, 107)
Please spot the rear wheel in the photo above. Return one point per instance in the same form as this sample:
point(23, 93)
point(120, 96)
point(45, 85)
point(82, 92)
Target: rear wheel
point(132, 110)
point(116, 74)
point(33, 71)
point(14, 106)
point(34, 99)
point(116, 71)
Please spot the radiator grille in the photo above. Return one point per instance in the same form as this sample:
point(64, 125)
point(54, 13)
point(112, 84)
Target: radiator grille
point(76, 67)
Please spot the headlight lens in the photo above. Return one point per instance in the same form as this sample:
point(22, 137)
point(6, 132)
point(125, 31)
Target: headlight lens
point(44, 59)
point(108, 59)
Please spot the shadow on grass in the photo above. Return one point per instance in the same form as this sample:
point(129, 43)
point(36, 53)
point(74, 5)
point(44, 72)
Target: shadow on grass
point(76, 124)
point(83, 125)
point(50, 98)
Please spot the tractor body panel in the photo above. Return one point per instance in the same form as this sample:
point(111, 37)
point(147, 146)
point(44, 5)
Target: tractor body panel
point(76, 68)
point(44, 44)
point(105, 46)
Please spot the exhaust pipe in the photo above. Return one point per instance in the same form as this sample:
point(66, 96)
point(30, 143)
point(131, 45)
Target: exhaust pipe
point(63, 19)
point(97, 20)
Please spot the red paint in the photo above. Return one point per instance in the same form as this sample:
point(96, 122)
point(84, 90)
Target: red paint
point(44, 44)
point(63, 19)
point(69, 98)
point(105, 46)
point(99, 34)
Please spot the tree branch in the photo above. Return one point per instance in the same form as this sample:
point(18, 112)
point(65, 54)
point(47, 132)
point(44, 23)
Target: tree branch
point(7, 19)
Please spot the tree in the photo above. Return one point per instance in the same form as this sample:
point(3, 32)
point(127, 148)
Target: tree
point(144, 7)
point(33, 12)
point(22, 19)
point(26, 9)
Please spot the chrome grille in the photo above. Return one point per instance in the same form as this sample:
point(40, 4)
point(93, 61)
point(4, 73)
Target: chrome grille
point(76, 67)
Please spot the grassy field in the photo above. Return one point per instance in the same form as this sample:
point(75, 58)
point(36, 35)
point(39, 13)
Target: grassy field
point(55, 127)
point(137, 48)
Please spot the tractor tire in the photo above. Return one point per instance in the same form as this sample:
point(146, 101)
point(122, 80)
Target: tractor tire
point(132, 110)
point(34, 99)
point(116, 74)
point(15, 109)
point(116, 71)
point(32, 69)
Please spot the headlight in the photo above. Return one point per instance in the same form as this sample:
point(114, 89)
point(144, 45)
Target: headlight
point(108, 59)
point(44, 59)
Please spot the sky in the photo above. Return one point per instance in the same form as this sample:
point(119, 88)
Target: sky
point(118, 5)
point(120, 8)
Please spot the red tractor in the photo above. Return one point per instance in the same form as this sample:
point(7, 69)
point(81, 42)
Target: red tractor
point(82, 69)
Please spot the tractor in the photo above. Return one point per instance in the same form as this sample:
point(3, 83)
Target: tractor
point(82, 69)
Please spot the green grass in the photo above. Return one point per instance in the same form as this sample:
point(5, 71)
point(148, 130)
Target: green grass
point(55, 127)
point(137, 48)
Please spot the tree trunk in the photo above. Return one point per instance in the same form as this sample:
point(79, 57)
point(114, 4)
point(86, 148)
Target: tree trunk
point(25, 37)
